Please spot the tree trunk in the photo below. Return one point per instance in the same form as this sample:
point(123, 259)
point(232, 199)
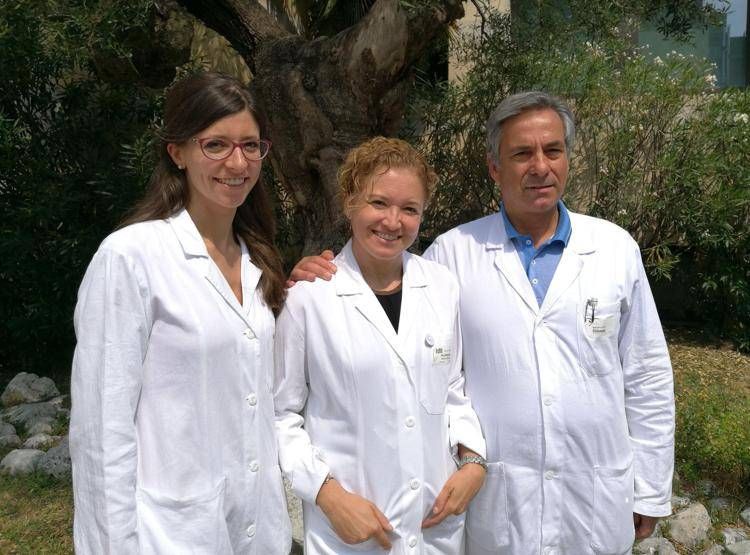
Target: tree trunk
point(324, 96)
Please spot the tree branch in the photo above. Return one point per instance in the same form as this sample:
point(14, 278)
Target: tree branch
point(244, 23)
point(387, 41)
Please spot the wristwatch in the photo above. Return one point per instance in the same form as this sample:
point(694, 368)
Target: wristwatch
point(472, 459)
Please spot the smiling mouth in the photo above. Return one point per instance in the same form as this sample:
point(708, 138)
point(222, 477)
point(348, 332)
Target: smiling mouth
point(385, 236)
point(231, 181)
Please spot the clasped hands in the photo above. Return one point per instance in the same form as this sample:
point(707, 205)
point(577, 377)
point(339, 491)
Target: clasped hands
point(356, 520)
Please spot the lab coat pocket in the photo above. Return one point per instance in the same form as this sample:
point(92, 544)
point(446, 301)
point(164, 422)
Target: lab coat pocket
point(487, 517)
point(194, 524)
point(612, 531)
point(598, 331)
point(434, 371)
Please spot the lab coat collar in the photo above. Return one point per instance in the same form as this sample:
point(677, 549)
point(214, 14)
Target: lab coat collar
point(349, 279)
point(574, 256)
point(187, 234)
point(194, 248)
point(508, 262)
point(350, 283)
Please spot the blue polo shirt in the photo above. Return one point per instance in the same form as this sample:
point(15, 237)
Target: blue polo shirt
point(540, 264)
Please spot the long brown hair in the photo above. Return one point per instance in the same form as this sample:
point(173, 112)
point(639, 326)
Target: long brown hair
point(191, 105)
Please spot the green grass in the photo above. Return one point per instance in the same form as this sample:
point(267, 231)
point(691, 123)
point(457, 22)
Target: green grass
point(36, 516)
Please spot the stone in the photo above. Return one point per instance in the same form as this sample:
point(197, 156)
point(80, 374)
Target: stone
point(294, 508)
point(706, 488)
point(8, 436)
point(20, 461)
point(690, 526)
point(739, 548)
point(719, 504)
point(28, 388)
point(42, 425)
point(733, 535)
point(713, 550)
point(679, 502)
point(39, 441)
point(56, 461)
point(10, 441)
point(28, 413)
point(654, 546)
point(745, 515)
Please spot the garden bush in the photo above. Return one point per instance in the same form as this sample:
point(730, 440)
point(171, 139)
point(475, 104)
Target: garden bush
point(659, 151)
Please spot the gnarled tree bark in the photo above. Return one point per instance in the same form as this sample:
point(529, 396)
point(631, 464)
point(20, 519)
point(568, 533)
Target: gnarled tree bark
point(325, 96)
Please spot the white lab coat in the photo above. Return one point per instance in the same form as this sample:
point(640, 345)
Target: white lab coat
point(171, 434)
point(382, 411)
point(578, 418)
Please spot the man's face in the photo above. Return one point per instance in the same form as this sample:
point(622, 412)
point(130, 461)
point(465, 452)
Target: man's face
point(533, 165)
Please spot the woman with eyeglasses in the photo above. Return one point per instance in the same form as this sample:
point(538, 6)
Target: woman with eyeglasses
point(371, 414)
point(171, 434)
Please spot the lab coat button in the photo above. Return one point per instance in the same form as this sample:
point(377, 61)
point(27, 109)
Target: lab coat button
point(412, 541)
point(548, 401)
point(248, 333)
point(549, 474)
point(429, 340)
point(414, 483)
point(250, 531)
point(410, 421)
point(252, 399)
point(254, 466)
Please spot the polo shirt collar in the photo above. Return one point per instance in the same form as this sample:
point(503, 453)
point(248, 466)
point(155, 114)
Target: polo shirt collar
point(562, 233)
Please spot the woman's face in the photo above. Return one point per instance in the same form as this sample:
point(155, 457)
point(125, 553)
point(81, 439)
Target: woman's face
point(387, 222)
point(220, 184)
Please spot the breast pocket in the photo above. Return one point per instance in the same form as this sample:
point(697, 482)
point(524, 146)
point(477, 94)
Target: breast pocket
point(598, 332)
point(436, 360)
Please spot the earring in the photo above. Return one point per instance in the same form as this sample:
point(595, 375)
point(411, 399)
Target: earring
point(180, 167)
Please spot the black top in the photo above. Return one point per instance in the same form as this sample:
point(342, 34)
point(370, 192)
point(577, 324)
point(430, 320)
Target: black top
point(391, 303)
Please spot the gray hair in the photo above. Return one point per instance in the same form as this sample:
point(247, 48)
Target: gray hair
point(515, 104)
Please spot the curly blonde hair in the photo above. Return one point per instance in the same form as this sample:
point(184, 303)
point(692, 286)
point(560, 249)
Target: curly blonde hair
point(374, 157)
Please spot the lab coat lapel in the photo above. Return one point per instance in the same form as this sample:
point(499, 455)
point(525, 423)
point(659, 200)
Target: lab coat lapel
point(351, 284)
point(414, 281)
point(508, 262)
point(196, 253)
point(570, 266)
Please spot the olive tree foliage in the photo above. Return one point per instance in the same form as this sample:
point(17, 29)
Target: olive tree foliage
point(659, 151)
point(75, 89)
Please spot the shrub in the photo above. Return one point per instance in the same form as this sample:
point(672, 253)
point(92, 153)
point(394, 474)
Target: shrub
point(659, 152)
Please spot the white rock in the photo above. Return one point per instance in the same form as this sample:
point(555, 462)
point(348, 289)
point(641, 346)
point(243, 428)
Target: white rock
point(56, 461)
point(719, 504)
point(7, 429)
point(705, 487)
point(739, 548)
point(713, 550)
point(654, 546)
point(28, 413)
point(41, 426)
point(20, 461)
point(690, 526)
point(10, 441)
point(745, 515)
point(28, 388)
point(679, 502)
point(733, 535)
point(294, 507)
point(39, 441)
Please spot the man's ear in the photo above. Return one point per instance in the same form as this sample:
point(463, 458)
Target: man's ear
point(175, 152)
point(493, 169)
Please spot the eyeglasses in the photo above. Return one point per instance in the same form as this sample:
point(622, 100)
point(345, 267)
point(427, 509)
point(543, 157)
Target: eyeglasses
point(220, 149)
